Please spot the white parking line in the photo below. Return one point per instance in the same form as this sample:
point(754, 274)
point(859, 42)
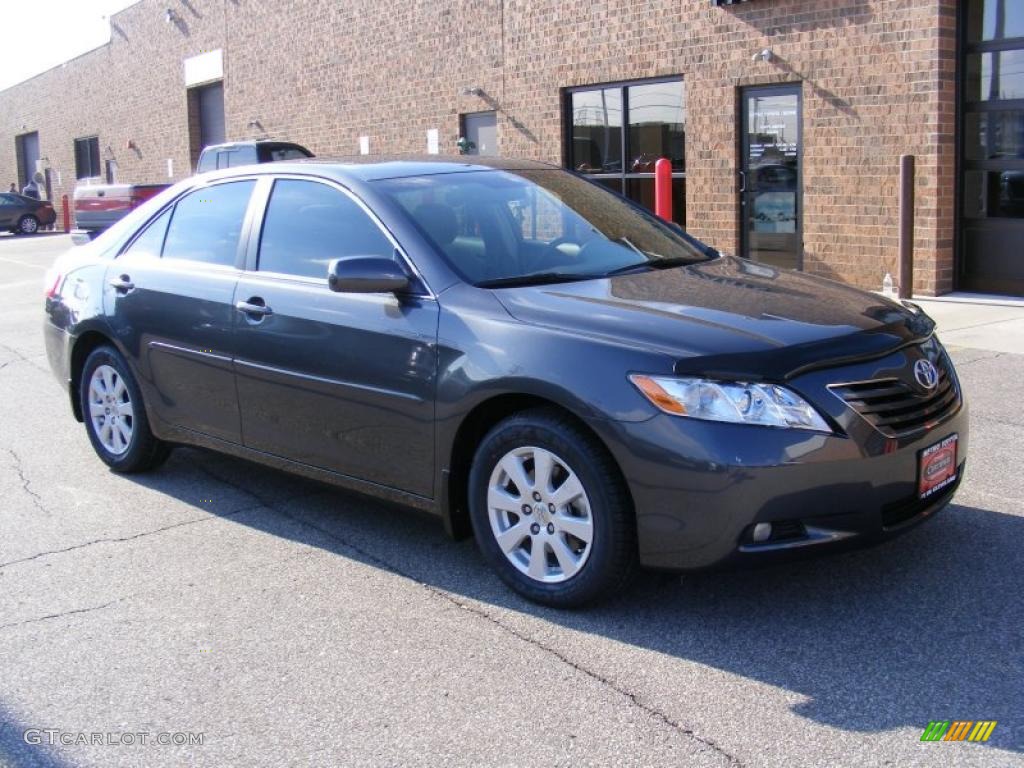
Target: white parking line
point(21, 284)
point(24, 263)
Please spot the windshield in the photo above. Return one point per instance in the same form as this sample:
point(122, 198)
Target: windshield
point(506, 227)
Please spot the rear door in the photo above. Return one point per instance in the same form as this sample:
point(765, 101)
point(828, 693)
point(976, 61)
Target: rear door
point(344, 382)
point(169, 297)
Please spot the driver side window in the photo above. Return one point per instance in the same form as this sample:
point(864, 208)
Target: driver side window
point(309, 224)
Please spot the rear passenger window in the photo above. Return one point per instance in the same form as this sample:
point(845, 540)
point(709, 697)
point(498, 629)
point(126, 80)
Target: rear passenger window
point(309, 224)
point(207, 223)
point(151, 241)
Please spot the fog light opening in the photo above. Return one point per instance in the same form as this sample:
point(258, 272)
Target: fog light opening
point(776, 532)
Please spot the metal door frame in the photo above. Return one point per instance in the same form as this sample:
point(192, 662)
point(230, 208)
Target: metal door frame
point(745, 93)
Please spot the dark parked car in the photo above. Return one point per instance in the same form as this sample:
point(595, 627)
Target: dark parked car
point(24, 215)
point(525, 354)
point(235, 153)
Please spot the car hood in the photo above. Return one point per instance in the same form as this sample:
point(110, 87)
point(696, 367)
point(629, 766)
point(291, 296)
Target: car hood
point(727, 317)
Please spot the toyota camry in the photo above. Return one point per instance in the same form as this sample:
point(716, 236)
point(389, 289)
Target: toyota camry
point(538, 361)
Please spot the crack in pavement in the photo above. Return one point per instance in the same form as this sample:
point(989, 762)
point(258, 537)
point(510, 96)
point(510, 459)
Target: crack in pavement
point(994, 420)
point(121, 539)
point(37, 500)
point(23, 358)
point(633, 698)
point(180, 524)
point(62, 614)
point(965, 363)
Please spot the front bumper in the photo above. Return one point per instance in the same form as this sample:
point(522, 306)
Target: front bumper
point(700, 487)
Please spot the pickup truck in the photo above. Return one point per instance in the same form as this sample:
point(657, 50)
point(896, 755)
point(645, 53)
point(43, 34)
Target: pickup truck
point(237, 153)
point(100, 205)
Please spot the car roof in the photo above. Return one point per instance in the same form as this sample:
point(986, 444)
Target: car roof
point(377, 167)
point(252, 143)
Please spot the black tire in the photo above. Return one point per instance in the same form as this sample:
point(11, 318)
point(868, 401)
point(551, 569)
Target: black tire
point(144, 451)
point(612, 556)
point(28, 224)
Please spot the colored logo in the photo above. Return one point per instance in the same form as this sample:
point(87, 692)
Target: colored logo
point(958, 730)
point(927, 375)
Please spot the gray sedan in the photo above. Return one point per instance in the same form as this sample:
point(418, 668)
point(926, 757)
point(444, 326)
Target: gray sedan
point(530, 357)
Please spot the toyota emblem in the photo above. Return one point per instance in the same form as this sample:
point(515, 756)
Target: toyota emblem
point(926, 374)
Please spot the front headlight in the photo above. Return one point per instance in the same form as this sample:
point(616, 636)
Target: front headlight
point(737, 402)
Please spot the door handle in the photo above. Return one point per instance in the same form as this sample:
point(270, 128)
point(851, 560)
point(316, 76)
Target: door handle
point(743, 181)
point(254, 307)
point(122, 284)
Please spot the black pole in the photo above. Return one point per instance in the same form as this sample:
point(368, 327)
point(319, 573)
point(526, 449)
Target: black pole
point(906, 254)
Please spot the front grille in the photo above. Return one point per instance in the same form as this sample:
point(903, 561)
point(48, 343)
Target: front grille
point(896, 408)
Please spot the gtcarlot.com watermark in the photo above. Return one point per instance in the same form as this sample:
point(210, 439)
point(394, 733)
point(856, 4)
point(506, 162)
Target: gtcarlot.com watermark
point(54, 737)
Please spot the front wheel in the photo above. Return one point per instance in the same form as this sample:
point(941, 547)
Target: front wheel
point(550, 510)
point(115, 417)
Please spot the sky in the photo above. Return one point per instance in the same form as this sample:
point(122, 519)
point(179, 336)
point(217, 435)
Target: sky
point(36, 35)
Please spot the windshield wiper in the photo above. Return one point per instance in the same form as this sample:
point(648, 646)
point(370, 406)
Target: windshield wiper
point(666, 263)
point(534, 278)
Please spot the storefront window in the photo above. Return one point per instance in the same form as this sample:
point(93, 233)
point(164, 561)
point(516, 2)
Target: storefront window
point(597, 130)
point(991, 220)
point(995, 76)
point(654, 116)
point(994, 20)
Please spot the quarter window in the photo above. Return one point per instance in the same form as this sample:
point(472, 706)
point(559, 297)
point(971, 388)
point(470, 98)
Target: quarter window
point(206, 224)
point(617, 134)
point(151, 242)
point(309, 224)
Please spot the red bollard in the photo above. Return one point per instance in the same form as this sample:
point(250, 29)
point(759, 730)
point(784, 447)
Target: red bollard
point(66, 211)
point(663, 188)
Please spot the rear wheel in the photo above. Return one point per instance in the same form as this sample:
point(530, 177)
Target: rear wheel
point(28, 224)
point(115, 417)
point(550, 511)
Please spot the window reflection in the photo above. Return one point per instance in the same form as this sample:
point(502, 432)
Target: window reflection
point(994, 19)
point(619, 133)
point(994, 135)
point(656, 125)
point(995, 76)
point(597, 130)
point(994, 194)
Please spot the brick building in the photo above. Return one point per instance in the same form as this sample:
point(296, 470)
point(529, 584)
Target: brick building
point(785, 119)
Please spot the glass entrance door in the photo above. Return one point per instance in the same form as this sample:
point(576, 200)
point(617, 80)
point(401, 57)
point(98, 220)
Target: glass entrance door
point(770, 176)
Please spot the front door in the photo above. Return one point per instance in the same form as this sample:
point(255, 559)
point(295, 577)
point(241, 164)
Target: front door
point(343, 382)
point(770, 176)
point(170, 300)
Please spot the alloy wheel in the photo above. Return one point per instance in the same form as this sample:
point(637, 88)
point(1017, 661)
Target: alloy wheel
point(111, 410)
point(540, 514)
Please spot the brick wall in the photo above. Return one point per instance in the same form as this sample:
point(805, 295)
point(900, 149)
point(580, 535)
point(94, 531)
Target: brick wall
point(877, 81)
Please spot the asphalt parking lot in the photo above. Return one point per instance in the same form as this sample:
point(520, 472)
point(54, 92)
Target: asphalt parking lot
point(285, 623)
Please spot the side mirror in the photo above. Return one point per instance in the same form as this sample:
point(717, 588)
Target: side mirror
point(367, 274)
